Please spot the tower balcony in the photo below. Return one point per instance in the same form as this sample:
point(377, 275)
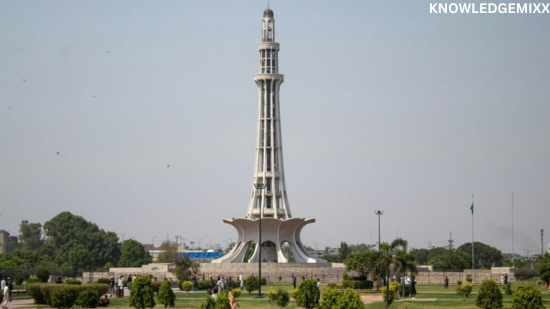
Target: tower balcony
point(268, 212)
point(269, 76)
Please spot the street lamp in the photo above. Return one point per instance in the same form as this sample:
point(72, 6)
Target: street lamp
point(192, 242)
point(260, 186)
point(378, 213)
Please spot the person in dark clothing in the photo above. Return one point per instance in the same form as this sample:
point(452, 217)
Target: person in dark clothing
point(446, 281)
point(413, 288)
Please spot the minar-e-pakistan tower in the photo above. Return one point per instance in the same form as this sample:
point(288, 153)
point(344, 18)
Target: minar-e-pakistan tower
point(268, 220)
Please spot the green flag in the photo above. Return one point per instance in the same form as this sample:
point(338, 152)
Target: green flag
point(472, 208)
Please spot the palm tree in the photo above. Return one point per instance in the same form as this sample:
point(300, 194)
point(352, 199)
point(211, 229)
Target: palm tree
point(394, 257)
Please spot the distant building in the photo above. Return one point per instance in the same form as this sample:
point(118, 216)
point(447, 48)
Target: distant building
point(7, 242)
point(548, 248)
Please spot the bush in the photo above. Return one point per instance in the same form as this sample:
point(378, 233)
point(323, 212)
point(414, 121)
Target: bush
point(469, 278)
point(329, 299)
point(464, 290)
point(18, 279)
point(522, 286)
point(527, 299)
point(142, 295)
point(42, 293)
point(251, 284)
point(42, 273)
point(88, 298)
point(203, 285)
point(33, 280)
point(308, 294)
point(282, 298)
point(358, 284)
point(489, 295)
point(208, 303)
point(156, 286)
point(459, 282)
point(389, 297)
point(186, 286)
point(63, 297)
point(350, 300)
point(103, 280)
point(73, 282)
point(166, 296)
point(223, 301)
point(272, 296)
point(508, 289)
point(264, 281)
point(236, 292)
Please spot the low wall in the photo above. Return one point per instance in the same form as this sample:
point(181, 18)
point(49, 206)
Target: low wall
point(478, 276)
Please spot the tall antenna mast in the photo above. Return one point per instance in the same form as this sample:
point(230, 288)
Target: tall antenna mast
point(513, 252)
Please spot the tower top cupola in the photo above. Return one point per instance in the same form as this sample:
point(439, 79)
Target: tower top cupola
point(268, 13)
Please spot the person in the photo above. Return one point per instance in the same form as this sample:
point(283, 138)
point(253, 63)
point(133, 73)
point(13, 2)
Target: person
point(220, 285)
point(112, 288)
point(242, 282)
point(121, 286)
point(413, 287)
point(6, 292)
point(130, 278)
point(505, 279)
point(2, 284)
point(319, 285)
point(446, 282)
point(194, 281)
point(215, 289)
point(232, 301)
point(294, 281)
point(502, 279)
point(104, 302)
point(10, 288)
point(59, 281)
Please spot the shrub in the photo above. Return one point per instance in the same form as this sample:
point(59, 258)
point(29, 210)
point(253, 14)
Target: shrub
point(489, 295)
point(33, 280)
point(33, 289)
point(73, 282)
point(508, 289)
point(236, 292)
point(358, 284)
point(203, 285)
point(88, 298)
point(527, 299)
point(282, 298)
point(459, 282)
point(464, 290)
point(408, 289)
point(294, 293)
point(166, 296)
point(272, 296)
point(18, 279)
point(156, 286)
point(523, 285)
point(42, 273)
point(103, 280)
point(329, 299)
point(142, 295)
point(350, 300)
point(63, 297)
point(308, 294)
point(469, 278)
point(223, 301)
point(251, 284)
point(186, 286)
point(389, 297)
point(264, 281)
point(208, 303)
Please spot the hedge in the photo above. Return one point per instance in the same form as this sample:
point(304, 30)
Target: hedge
point(42, 292)
point(358, 284)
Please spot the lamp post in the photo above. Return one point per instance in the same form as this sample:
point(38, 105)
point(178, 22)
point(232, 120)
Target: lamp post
point(378, 213)
point(192, 242)
point(260, 186)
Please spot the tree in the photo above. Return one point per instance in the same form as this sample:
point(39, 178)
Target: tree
point(420, 256)
point(142, 295)
point(185, 269)
point(308, 294)
point(251, 284)
point(72, 234)
point(132, 254)
point(362, 263)
point(249, 252)
point(394, 255)
point(484, 255)
point(30, 235)
point(489, 295)
point(344, 251)
point(169, 251)
point(166, 296)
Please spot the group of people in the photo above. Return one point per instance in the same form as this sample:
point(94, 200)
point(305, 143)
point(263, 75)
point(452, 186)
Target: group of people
point(7, 287)
point(220, 284)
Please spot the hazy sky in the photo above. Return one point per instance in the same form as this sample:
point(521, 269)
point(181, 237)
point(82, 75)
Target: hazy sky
point(384, 107)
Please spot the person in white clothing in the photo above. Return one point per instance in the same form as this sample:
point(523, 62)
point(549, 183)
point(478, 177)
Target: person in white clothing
point(3, 285)
point(6, 291)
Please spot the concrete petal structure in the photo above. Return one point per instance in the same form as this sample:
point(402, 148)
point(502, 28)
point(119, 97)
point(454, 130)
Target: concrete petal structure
point(269, 217)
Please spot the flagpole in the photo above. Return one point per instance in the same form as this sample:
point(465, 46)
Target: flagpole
point(473, 260)
point(513, 252)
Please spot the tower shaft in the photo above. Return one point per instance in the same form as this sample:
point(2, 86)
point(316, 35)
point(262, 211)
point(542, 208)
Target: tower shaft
point(271, 201)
